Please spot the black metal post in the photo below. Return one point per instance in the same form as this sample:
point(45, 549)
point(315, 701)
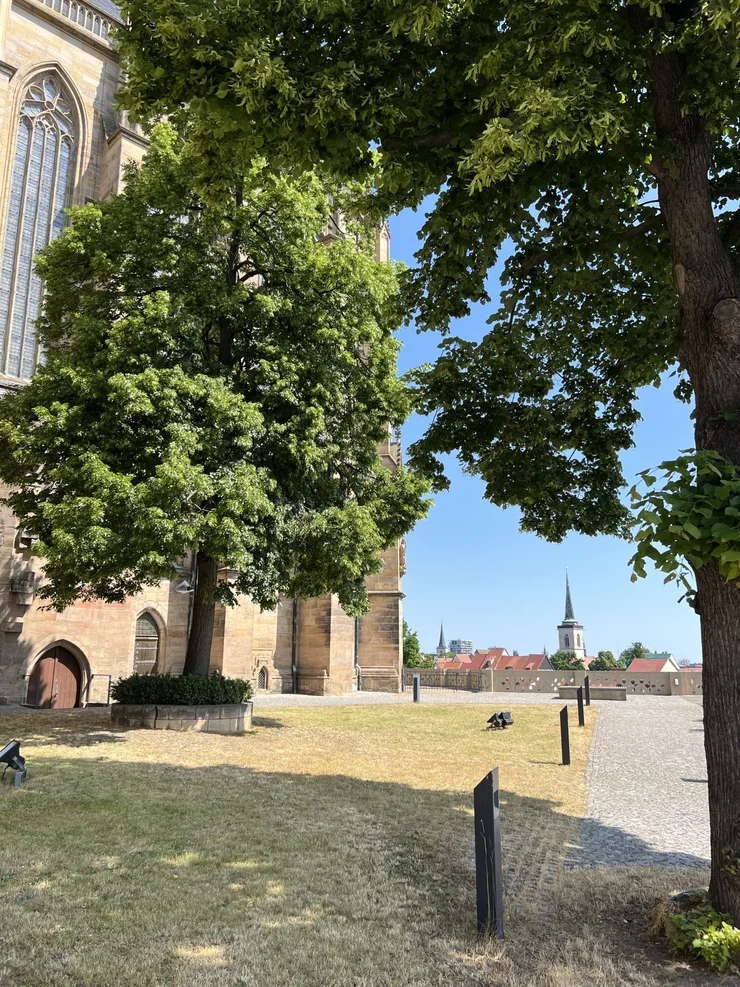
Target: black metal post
point(489, 887)
point(417, 687)
point(587, 690)
point(579, 697)
point(564, 735)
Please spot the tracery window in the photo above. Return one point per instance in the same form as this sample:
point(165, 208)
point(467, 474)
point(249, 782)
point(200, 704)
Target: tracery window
point(146, 647)
point(43, 168)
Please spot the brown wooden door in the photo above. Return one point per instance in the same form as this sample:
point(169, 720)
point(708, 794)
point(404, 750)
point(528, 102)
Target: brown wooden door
point(55, 683)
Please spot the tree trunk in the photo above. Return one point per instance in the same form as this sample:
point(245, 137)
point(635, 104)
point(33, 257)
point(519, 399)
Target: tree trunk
point(704, 275)
point(198, 657)
point(719, 602)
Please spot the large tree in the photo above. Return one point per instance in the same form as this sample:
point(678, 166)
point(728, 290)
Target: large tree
point(634, 651)
point(563, 661)
point(217, 379)
point(603, 662)
point(595, 141)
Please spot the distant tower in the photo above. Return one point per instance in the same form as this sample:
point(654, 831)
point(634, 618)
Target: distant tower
point(570, 632)
point(441, 647)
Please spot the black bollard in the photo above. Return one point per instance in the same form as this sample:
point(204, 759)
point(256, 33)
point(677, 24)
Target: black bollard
point(417, 687)
point(489, 889)
point(587, 689)
point(581, 717)
point(564, 735)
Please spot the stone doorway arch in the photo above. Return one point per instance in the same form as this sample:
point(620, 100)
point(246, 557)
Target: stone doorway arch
point(56, 680)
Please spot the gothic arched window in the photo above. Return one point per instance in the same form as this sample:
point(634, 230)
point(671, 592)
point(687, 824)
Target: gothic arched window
point(43, 168)
point(579, 640)
point(146, 648)
point(567, 641)
point(262, 678)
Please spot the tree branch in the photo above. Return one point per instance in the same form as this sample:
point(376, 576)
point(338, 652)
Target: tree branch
point(630, 233)
point(440, 138)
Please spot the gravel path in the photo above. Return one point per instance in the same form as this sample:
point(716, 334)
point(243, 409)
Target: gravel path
point(496, 700)
point(646, 779)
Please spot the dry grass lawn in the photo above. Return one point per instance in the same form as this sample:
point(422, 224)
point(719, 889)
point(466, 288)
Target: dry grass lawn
point(329, 848)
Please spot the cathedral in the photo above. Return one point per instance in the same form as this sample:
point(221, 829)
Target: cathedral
point(62, 142)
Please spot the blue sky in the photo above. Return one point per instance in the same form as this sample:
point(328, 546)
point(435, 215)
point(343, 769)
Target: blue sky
point(469, 565)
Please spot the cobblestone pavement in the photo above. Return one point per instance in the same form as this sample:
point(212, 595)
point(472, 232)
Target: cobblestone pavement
point(647, 792)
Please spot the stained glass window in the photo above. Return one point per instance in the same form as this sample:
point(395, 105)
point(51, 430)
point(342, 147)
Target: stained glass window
point(40, 189)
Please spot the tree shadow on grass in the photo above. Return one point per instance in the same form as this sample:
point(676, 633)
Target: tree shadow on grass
point(149, 873)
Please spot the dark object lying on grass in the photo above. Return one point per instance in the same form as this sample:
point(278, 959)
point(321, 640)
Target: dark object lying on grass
point(10, 756)
point(500, 721)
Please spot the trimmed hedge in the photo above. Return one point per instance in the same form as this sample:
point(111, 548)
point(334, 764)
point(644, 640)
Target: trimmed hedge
point(181, 690)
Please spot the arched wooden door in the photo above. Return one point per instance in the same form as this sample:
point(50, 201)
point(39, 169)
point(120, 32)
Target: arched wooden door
point(55, 681)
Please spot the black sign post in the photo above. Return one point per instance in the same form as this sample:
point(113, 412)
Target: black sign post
point(564, 735)
point(581, 717)
point(417, 687)
point(587, 690)
point(488, 874)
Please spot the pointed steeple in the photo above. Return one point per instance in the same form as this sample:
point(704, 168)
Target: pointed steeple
point(442, 646)
point(569, 615)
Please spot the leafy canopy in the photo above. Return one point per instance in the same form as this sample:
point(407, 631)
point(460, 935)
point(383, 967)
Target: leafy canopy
point(533, 127)
point(604, 661)
point(411, 649)
point(216, 377)
point(566, 661)
point(634, 651)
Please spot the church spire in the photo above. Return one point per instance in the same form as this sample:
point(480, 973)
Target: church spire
point(569, 615)
point(442, 646)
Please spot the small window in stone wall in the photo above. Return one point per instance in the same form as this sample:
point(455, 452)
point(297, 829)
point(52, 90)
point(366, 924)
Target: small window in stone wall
point(262, 678)
point(146, 648)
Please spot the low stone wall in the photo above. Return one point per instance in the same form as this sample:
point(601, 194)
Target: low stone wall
point(235, 718)
point(649, 684)
point(596, 692)
point(686, 683)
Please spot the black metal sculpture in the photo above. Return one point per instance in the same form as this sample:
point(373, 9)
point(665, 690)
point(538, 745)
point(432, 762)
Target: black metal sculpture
point(499, 721)
point(10, 756)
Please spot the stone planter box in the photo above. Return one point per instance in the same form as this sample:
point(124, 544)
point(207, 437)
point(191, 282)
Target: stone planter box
point(235, 718)
point(597, 692)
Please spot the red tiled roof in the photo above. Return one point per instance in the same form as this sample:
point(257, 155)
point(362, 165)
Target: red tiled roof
point(479, 662)
point(647, 664)
point(520, 663)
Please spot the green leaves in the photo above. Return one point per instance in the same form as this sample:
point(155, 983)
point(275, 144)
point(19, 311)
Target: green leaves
point(688, 518)
point(181, 690)
point(218, 376)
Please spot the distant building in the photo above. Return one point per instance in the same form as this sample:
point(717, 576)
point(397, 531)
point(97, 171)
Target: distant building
point(522, 663)
point(570, 632)
point(460, 663)
point(460, 646)
point(653, 662)
point(441, 647)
